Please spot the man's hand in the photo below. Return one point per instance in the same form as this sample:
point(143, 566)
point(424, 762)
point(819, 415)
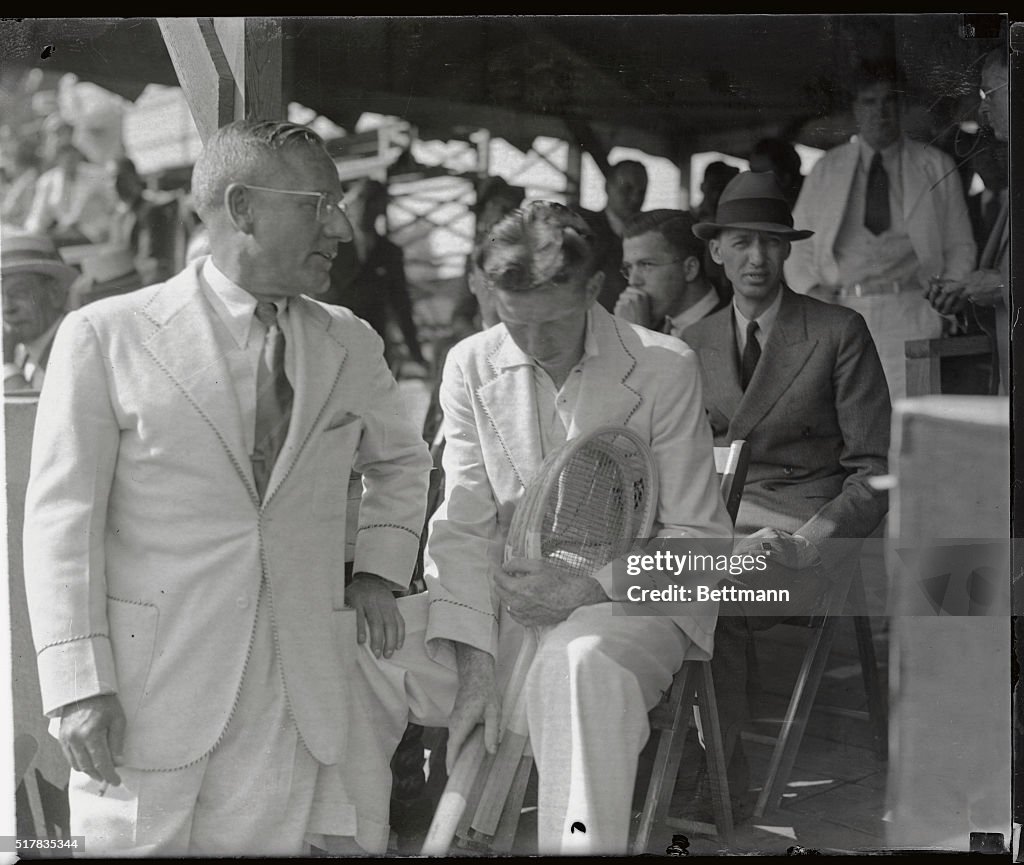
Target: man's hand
point(370, 596)
point(780, 548)
point(946, 296)
point(634, 305)
point(537, 595)
point(92, 736)
point(477, 701)
point(984, 287)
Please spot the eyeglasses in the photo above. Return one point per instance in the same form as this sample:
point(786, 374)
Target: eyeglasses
point(643, 266)
point(986, 95)
point(326, 204)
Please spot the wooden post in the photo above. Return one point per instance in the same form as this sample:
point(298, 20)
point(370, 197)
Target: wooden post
point(253, 49)
point(228, 68)
point(203, 71)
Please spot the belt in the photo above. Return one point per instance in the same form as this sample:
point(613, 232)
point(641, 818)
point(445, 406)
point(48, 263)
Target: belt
point(863, 289)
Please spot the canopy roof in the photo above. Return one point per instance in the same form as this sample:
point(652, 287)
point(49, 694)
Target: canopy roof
point(669, 85)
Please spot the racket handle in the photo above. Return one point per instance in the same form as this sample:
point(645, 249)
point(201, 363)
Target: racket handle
point(453, 801)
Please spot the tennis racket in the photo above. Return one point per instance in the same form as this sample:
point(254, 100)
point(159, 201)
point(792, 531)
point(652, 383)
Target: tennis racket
point(590, 502)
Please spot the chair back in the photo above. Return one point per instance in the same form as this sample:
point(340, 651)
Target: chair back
point(731, 464)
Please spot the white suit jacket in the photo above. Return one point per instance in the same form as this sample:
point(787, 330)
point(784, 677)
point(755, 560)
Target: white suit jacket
point(933, 207)
point(146, 542)
point(645, 380)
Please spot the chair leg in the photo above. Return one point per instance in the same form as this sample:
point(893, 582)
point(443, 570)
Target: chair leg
point(666, 763)
point(716, 756)
point(797, 714)
point(505, 835)
point(877, 714)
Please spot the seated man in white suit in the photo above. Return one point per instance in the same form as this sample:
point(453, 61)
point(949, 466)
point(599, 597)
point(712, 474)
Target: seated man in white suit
point(185, 527)
point(555, 368)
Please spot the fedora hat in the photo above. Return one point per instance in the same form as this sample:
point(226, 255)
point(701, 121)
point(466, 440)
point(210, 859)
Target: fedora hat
point(24, 252)
point(752, 201)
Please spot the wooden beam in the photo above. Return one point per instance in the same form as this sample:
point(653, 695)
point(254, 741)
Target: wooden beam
point(202, 70)
point(253, 49)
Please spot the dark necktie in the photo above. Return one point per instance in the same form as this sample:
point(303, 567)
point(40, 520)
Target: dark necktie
point(273, 398)
point(751, 355)
point(876, 204)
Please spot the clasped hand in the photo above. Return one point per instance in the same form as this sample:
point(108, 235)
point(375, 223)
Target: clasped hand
point(539, 595)
point(780, 548)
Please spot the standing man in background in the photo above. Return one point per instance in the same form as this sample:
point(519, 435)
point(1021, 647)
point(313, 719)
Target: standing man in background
point(888, 215)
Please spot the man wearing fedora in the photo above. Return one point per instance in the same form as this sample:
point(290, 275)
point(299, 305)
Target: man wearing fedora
point(35, 295)
point(801, 381)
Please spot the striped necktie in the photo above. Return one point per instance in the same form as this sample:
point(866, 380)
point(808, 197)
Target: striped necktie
point(274, 395)
point(751, 355)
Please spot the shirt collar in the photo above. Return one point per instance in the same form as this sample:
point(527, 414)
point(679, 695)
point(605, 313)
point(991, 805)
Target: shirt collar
point(765, 321)
point(237, 306)
point(889, 154)
point(692, 314)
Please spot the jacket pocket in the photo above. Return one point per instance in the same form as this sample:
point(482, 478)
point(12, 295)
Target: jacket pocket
point(133, 629)
point(333, 471)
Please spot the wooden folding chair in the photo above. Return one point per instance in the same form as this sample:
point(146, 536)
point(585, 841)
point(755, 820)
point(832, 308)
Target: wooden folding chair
point(805, 690)
point(670, 720)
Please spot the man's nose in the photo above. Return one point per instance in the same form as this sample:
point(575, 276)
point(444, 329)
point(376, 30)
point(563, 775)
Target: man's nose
point(757, 252)
point(636, 277)
point(337, 226)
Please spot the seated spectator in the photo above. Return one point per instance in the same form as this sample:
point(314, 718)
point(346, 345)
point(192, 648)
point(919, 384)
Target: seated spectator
point(35, 292)
point(143, 224)
point(780, 157)
point(987, 287)
point(716, 177)
point(662, 262)
point(21, 170)
point(368, 277)
point(800, 380)
point(625, 186)
point(74, 201)
point(557, 367)
point(494, 199)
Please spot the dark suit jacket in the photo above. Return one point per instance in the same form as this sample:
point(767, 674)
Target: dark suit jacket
point(816, 414)
point(611, 246)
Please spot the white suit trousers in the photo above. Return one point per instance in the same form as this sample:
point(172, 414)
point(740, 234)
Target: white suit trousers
point(594, 680)
point(251, 795)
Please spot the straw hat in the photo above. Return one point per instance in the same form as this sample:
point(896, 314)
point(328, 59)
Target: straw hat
point(752, 201)
point(23, 252)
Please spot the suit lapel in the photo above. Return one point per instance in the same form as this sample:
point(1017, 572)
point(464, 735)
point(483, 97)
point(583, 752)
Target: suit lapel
point(720, 364)
point(510, 402)
point(783, 357)
point(186, 347)
point(320, 358)
point(606, 394)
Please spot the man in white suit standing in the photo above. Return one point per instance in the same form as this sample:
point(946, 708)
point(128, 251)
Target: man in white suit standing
point(557, 367)
point(185, 524)
point(888, 214)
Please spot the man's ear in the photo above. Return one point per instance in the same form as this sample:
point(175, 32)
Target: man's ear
point(787, 250)
point(238, 207)
point(691, 268)
point(715, 248)
point(594, 283)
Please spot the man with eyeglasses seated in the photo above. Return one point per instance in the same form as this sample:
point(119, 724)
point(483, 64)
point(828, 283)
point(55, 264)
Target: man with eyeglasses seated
point(666, 287)
point(185, 528)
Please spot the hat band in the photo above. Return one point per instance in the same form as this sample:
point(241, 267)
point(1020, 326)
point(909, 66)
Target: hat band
point(746, 210)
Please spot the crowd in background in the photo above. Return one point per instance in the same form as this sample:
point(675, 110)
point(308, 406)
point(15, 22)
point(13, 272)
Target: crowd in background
point(118, 232)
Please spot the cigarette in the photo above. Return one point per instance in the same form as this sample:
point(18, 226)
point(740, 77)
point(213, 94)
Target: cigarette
point(103, 788)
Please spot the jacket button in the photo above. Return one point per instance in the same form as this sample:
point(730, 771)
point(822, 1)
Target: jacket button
point(788, 470)
point(242, 603)
point(806, 433)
